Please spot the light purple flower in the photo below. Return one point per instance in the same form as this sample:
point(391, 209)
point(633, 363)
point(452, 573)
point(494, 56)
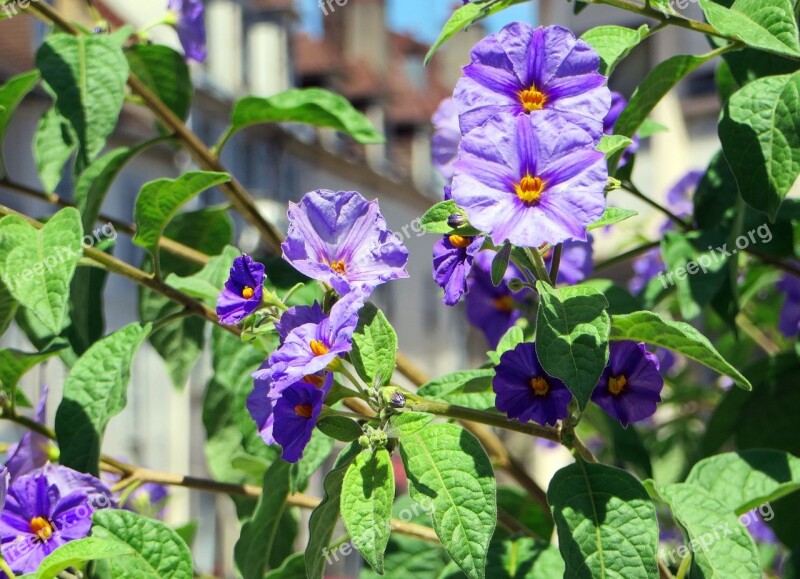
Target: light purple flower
point(452, 261)
point(645, 268)
point(446, 137)
point(630, 387)
point(576, 261)
point(297, 316)
point(525, 70)
point(342, 239)
point(191, 27)
point(525, 391)
point(680, 197)
point(530, 180)
point(243, 291)
point(32, 451)
point(618, 104)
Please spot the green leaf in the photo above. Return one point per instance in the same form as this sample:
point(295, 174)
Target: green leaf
point(435, 219)
point(611, 144)
point(747, 479)
point(500, 264)
point(449, 471)
point(524, 558)
point(14, 364)
point(513, 337)
point(311, 106)
point(766, 25)
point(160, 200)
point(11, 95)
point(86, 304)
point(95, 392)
point(164, 72)
point(87, 74)
point(258, 534)
point(37, 265)
point(721, 546)
point(611, 216)
point(606, 522)
point(407, 423)
point(324, 518)
point(760, 138)
point(206, 284)
point(613, 43)
point(374, 347)
point(572, 336)
point(53, 145)
point(679, 337)
point(650, 127)
point(315, 454)
point(340, 428)
point(620, 300)
point(159, 551)
point(293, 568)
point(470, 388)
point(80, 551)
point(516, 503)
point(8, 307)
point(366, 504)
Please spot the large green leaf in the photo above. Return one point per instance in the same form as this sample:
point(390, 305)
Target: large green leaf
point(311, 106)
point(160, 200)
point(721, 546)
point(749, 478)
point(95, 391)
point(166, 73)
point(470, 388)
point(14, 364)
point(158, 550)
point(53, 145)
point(258, 534)
point(606, 522)
point(524, 558)
point(572, 336)
point(8, 307)
point(374, 346)
point(613, 43)
point(80, 551)
point(679, 337)
point(760, 137)
point(768, 25)
point(11, 95)
point(37, 265)
point(87, 74)
point(366, 504)
point(448, 471)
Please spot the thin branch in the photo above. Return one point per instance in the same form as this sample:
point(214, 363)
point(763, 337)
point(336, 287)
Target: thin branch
point(633, 190)
point(628, 255)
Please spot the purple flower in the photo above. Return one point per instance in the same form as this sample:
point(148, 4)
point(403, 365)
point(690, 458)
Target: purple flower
point(342, 239)
point(618, 104)
point(452, 261)
point(630, 387)
point(5, 480)
point(530, 180)
point(297, 316)
point(296, 414)
point(46, 509)
point(576, 261)
point(789, 322)
point(525, 391)
point(522, 70)
point(680, 197)
point(32, 451)
point(760, 531)
point(645, 268)
point(446, 137)
point(243, 291)
point(189, 21)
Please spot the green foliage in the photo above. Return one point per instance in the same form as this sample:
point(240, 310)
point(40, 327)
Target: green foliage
point(52, 148)
point(407, 423)
point(15, 364)
point(340, 428)
point(74, 553)
point(613, 43)
point(769, 25)
point(374, 347)
point(164, 72)
point(470, 388)
point(612, 216)
point(11, 95)
point(435, 219)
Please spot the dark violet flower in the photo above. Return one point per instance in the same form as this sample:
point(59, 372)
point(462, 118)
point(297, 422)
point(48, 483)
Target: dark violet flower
point(680, 197)
point(576, 261)
point(46, 509)
point(297, 316)
point(531, 180)
point(525, 70)
point(452, 261)
point(446, 137)
point(789, 321)
point(188, 18)
point(342, 239)
point(645, 268)
point(296, 414)
point(243, 291)
point(759, 530)
point(618, 104)
point(525, 391)
point(32, 451)
point(630, 387)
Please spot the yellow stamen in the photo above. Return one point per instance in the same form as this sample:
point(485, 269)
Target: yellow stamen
point(314, 380)
point(248, 292)
point(529, 189)
point(304, 410)
point(532, 99)
point(318, 348)
point(338, 266)
point(616, 384)
point(540, 386)
point(42, 528)
point(459, 240)
point(503, 304)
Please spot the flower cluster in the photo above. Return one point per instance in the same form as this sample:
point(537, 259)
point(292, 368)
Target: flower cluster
point(341, 240)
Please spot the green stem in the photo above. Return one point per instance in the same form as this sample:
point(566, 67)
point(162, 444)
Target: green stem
point(623, 257)
point(353, 380)
point(6, 569)
point(556, 263)
point(633, 190)
point(166, 320)
point(538, 264)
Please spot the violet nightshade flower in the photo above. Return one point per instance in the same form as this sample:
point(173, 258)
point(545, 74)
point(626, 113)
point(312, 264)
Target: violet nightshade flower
point(189, 21)
point(630, 388)
point(525, 391)
point(452, 261)
point(296, 414)
point(523, 70)
point(296, 316)
point(530, 180)
point(243, 291)
point(342, 239)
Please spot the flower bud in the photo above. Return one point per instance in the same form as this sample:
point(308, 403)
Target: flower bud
point(456, 220)
point(516, 284)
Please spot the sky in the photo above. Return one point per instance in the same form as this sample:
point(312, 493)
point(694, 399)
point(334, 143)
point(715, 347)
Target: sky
point(422, 18)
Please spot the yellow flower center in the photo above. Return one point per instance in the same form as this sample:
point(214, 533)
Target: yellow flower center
point(459, 240)
point(539, 386)
point(338, 266)
point(503, 304)
point(304, 410)
point(248, 292)
point(616, 384)
point(42, 528)
point(529, 189)
point(314, 379)
point(532, 99)
point(318, 348)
